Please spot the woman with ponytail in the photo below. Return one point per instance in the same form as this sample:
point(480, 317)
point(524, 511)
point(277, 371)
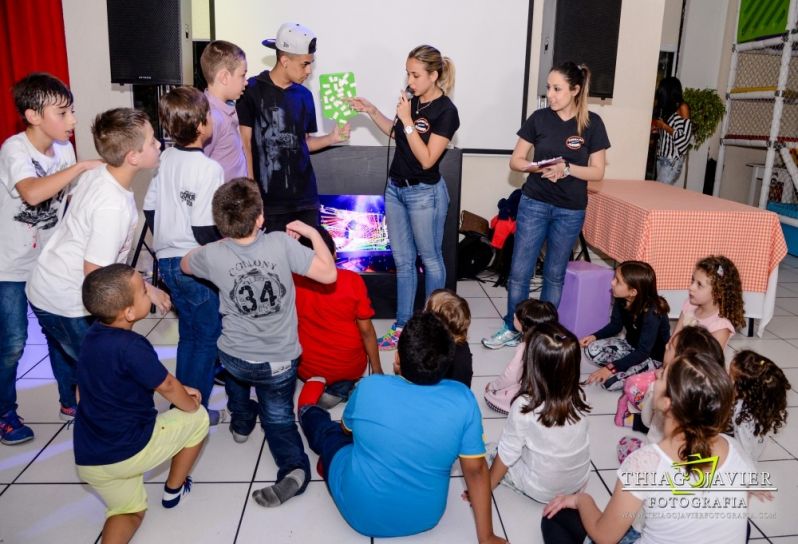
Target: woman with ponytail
point(663, 481)
point(416, 198)
point(552, 207)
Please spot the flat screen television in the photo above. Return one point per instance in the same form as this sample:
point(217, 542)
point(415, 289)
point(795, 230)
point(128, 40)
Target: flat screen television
point(357, 225)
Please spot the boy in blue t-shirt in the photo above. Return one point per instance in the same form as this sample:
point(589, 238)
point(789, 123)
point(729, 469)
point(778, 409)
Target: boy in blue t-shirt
point(388, 464)
point(119, 435)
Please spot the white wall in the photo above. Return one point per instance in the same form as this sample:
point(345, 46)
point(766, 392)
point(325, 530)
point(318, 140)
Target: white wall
point(486, 178)
point(671, 20)
point(703, 44)
point(86, 29)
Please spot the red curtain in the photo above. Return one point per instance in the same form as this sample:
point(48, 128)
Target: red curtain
point(31, 40)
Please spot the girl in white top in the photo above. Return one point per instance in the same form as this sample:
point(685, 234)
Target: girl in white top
point(696, 395)
point(544, 448)
point(760, 408)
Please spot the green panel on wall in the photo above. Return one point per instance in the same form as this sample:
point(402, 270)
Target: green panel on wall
point(761, 18)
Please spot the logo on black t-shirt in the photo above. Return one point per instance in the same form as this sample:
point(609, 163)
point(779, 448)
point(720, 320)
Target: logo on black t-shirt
point(422, 125)
point(574, 142)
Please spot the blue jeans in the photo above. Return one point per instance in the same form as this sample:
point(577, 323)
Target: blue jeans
point(539, 222)
point(416, 216)
point(64, 338)
point(275, 407)
point(668, 170)
point(13, 335)
point(199, 325)
point(325, 437)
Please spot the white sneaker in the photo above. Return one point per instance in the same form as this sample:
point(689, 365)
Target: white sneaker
point(503, 338)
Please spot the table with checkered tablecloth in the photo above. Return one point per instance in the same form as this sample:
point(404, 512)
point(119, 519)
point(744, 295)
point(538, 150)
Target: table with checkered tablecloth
point(672, 228)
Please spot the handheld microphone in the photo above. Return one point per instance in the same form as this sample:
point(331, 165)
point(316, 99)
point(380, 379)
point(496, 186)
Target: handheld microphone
point(409, 95)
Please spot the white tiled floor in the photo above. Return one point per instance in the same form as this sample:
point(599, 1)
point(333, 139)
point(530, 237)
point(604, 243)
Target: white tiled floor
point(43, 501)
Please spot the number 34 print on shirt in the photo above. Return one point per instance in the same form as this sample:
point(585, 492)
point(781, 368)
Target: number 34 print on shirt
point(256, 291)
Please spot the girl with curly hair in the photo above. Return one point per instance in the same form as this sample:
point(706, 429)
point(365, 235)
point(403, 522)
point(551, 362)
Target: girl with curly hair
point(760, 409)
point(715, 299)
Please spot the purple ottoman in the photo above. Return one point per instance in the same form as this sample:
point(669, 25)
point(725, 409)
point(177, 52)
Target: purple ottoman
point(586, 297)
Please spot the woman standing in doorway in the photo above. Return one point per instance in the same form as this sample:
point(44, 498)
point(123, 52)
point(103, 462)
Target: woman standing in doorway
point(675, 130)
point(554, 199)
point(416, 198)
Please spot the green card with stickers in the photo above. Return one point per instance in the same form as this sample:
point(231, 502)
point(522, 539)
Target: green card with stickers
point(334, 89)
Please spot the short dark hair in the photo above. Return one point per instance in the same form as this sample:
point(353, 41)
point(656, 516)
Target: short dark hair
point(236, 206)
point(117, 132)
point(325, 235)
point(531, 312)
point(38, 90)
point(181, 111)
point(107, 291)
point(426, 349)
point(219, 55)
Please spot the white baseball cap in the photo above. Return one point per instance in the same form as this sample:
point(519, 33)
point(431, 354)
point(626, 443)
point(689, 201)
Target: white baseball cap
point(293, 38)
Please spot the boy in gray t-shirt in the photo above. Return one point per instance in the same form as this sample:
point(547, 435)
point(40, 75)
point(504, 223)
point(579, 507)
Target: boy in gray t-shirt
point(259, 346)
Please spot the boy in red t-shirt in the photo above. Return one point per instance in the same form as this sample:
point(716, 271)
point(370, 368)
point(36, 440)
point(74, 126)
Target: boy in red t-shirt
point(335, 331)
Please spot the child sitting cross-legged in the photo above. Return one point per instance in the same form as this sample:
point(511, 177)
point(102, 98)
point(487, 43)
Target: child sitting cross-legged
point(118, 433)
point(387, 465)
point(643, 314)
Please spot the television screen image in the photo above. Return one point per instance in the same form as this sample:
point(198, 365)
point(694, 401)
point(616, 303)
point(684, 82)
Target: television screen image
point(357, 225)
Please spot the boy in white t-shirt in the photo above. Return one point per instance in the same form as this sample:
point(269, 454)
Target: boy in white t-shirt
point(180, 198)
point(37, 167)
point(96, 231)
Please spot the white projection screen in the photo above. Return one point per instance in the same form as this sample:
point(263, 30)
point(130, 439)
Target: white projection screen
point(486, 41)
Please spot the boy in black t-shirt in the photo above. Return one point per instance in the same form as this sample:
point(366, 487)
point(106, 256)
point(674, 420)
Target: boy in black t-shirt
point(277, 117)
point(118, 433)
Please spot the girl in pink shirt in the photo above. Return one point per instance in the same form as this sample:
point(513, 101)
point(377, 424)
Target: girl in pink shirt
point(499, 393)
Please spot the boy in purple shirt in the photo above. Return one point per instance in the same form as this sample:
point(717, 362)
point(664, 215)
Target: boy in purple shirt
point(224, 66)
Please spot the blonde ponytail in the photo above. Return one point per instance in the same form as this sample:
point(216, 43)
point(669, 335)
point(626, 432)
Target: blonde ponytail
point(433, 61)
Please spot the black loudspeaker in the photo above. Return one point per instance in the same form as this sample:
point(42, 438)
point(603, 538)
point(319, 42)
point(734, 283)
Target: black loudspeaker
point(582, 31)
point(586, 31)
point(150, 41)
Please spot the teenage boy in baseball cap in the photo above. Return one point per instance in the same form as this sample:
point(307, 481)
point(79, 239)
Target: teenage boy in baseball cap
point(277, 118)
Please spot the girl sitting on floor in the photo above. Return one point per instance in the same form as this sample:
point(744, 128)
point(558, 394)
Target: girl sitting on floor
point(643, 314)
point(760, 409)
point(453, 310)
point(715, 299)
point(499, 393)
point(544, 448)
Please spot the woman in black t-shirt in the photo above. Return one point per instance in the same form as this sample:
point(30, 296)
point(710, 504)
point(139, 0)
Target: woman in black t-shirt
point(416, 198)
point(552, 207)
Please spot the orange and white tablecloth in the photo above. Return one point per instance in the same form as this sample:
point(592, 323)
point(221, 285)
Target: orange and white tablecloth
point(671, 229)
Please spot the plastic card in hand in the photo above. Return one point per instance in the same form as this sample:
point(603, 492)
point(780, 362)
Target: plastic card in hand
point(334, 89)
point(546, 162)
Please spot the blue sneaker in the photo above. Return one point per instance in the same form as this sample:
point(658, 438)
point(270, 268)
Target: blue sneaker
point(12, 430)
point(503, 338)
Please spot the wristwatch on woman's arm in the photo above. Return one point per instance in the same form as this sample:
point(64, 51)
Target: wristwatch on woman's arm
point(567, 170)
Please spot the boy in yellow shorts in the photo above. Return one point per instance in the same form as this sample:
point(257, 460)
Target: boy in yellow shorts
point(118, 433)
